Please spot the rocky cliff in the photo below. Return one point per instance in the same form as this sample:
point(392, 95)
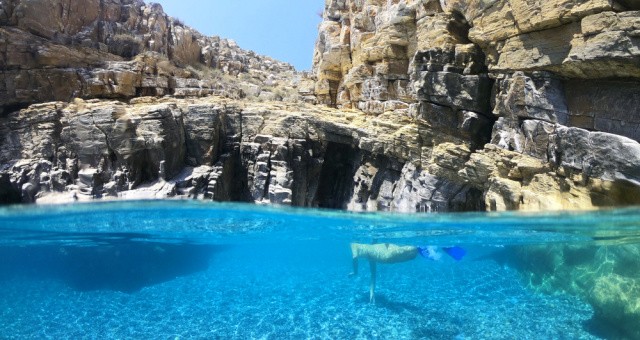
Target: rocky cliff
point(552, 83)
point(54, 50)
point(432, 106)
point(552, 88)
point(450, 105)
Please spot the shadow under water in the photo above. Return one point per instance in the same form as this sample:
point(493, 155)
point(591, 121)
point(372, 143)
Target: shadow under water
point(391, 305)
point(126, 266)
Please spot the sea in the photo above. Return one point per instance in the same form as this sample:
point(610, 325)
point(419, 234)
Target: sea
point(204, 270)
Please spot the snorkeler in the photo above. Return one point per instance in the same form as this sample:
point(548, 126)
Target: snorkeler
point(392, 253)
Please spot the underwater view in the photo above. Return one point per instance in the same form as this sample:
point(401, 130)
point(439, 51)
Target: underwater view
point(178, 269)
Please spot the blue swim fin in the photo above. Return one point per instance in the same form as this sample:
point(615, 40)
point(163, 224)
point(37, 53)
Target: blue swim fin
point(456, 252)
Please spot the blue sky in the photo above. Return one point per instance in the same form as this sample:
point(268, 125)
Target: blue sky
point(283, 29)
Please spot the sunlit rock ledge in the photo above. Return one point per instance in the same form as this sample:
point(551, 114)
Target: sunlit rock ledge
point(297, 154)
point(552, 87)
point(453, 105)
point(441, 106)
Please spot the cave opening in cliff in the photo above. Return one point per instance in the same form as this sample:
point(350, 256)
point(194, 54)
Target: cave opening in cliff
point(631, 5)
point(143, 168)
point(333, 93)
point(8, 193)
point(336, 178)
point(6, 110)
point(459, 26)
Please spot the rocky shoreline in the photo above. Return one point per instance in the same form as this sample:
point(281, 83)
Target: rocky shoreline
point(294, 154)
point(412, 106)
point(430, 106)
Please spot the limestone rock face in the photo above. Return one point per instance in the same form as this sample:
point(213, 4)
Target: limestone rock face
point(430, 106)
point(60, 50)
point(226, 150)
point(554, 82)
point(444, 105)
point(301, 155)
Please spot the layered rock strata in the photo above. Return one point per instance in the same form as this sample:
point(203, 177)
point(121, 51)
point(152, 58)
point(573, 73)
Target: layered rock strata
point(553, 84)
point(545, 94)
point(429, 72)
point(474, 124)
point(121, 49)
point(450, 105)
point(227, 150)
point(295, 154)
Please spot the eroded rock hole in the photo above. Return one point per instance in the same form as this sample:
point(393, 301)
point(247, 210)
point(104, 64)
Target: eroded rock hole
point(459, 27)
point(8, 193)
point(630, 5)
point(336, 178)
point(8, 109)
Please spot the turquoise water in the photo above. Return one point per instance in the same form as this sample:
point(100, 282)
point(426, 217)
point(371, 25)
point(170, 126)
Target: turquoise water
point(176, 269)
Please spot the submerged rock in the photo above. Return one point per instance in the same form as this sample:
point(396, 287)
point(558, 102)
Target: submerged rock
point(430, 106)
point(605, 276)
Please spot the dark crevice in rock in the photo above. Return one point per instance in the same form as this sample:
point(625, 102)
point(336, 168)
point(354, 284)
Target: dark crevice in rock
point(5, 110)
point(459, 27)
point(239, 188)
point(231, 184)
point(468, 199)
point(389, 172)
point(336, 178)
point(306, 161)
point(57, 134)
point(226, 156)
point(267, 184)
point(630, 5)
point(148, 171)
point(111, 151)
point(8, 193)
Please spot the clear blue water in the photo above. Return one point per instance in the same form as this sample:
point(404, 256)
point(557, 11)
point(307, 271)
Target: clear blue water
point(176, 269)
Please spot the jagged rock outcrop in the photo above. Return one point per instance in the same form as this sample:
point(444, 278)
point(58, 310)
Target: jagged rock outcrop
point(434, 82)
point(553, 84)
point(121, 49)
point(439, 105)
point(228, 150)
point(292, 154)
point(544, 95)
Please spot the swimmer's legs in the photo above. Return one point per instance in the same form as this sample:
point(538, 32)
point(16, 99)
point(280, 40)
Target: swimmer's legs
point(372, 286)
point(354, 259)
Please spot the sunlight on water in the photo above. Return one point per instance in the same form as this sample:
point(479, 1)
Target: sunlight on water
point(193, 269)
